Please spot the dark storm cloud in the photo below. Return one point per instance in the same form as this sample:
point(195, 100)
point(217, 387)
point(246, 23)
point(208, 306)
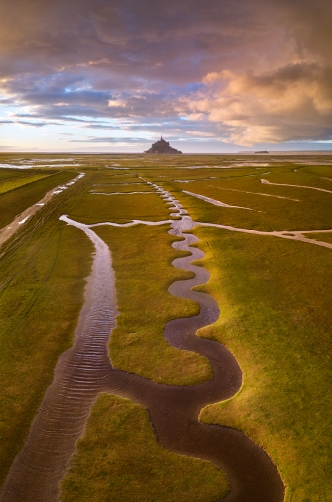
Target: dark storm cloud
point(143, 38)
point(310, 24)
point(247, 71)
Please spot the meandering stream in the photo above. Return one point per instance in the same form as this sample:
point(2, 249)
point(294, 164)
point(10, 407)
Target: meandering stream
point(86, 370)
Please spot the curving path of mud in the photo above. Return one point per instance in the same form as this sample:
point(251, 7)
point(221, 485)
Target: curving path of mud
point(85, 370)
point(296, 235)
point(120, 193)
point(214, 202)
point(255, 193)
point(266, 182)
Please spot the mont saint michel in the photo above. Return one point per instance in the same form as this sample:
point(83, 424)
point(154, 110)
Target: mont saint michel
point(162, 146)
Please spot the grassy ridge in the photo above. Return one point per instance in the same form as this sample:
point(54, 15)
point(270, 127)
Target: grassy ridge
point(119, 459)
point(120, 208)
point(93, 208)
point(142, 259)
point(14, 202)
point(10, 174)
point(40, 298)
point(300, 177)
point(123, 188)
point(325, 171)
point(276, 320)
point(6, 186)
point(116, 179)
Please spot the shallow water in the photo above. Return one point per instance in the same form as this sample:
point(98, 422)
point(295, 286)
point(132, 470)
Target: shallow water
point(80, 374)
point(12, 166)
point(266, 182)
point(85, 370)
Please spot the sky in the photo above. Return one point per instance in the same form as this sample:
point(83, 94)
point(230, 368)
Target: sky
point(216, 76)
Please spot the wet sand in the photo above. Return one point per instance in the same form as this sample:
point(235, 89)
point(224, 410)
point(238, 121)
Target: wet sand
point(266, 182)
point(297, 235)
point(85, 370)
point(255, 193)
point(213, 201)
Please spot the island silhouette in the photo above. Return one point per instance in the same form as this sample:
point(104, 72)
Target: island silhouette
point(162, 146)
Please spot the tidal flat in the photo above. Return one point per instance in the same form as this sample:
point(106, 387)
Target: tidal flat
point(264, 227)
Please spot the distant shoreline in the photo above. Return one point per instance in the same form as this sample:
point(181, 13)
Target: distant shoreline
point(245, 153)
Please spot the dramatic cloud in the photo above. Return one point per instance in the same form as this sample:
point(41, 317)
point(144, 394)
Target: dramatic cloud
point(245, 72)
point(290, 103)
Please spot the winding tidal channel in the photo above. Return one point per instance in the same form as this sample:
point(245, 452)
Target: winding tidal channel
point(86, 370)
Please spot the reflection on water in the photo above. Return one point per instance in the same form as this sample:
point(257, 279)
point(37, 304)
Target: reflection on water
point(85, 370)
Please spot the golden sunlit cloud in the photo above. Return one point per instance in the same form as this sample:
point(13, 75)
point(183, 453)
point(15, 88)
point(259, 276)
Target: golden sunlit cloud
point(116, 103)
point(238, 73)
point(282, 105)
point(201, 133)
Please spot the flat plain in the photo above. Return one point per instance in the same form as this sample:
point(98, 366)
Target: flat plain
point(264, 223)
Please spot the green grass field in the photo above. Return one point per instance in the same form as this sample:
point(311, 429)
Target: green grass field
point(300, 209)
point(120, 208)
point(142, 259)
point(320, 236)
point(274, 296)
point(12, 174)
point(119, 459)
point(41, 297)
point(276, 319)
point(16, 200)
point(6, 186)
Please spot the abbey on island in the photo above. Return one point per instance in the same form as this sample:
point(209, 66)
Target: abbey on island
point(162, 147)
